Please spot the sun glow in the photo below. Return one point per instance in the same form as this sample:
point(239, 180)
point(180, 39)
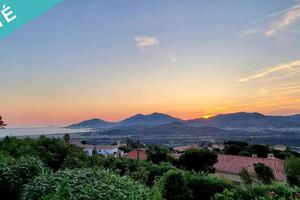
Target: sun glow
point(206, 116)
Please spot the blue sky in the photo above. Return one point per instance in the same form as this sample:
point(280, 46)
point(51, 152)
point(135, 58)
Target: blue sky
point(110, 59)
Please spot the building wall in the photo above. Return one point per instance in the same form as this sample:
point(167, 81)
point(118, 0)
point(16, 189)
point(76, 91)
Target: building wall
point(107, 151)
point(89, 152)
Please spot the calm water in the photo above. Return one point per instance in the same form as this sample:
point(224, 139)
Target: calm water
point(35, 131)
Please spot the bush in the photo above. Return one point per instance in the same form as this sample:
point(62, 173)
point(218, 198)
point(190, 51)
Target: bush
point(142, 171)
point(194, 186)
point(173, 186)
point(245, 176)
point(92, 184)
point(274, 191)
point(15, 173)
point(204, 186)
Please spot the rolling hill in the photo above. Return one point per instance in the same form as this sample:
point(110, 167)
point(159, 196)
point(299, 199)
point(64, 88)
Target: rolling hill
point(233, 120)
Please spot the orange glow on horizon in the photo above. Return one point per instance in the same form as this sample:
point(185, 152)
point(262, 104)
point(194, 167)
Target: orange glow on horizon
point(207, 116)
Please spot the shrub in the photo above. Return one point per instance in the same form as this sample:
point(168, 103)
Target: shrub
point(275, 191)
point(245, 176)
point(92, 184)
point(204, 186)
point(15, 173)
point(194, 185)
point(173, 186)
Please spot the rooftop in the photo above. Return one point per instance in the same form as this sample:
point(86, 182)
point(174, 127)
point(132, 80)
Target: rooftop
point(137, 154)
point(233, 164)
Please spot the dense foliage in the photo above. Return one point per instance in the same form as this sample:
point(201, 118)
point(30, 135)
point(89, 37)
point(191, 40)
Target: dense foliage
point(198, 160)
point(92, 184)
point(178, 185)
point(14, 174)
point(55, 153)
point(157, 154)
point(142, 171)
point(273, 191)
point(55, 169)
point(264, 173)
point(292, 167)
point(244, 149)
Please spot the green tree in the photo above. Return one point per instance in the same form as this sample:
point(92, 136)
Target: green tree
point(292, 168)
point(245, 153)
point(66, 137)
point(264, 173)
point(198, 160)
point(173, 186)
point(157, 154)
point(260, 150)
point(233, 149)
point(246, 177)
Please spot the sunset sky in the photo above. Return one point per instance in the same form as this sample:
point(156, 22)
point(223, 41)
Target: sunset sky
point(112, 59)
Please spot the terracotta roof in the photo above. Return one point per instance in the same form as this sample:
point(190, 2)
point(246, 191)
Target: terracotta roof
point(135, 154)
point(234, 164)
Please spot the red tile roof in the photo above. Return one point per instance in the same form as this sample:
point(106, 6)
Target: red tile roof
point(137, 154)
point(232, 164)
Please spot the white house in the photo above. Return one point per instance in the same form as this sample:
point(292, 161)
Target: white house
point(107, 150)
point(279, 147)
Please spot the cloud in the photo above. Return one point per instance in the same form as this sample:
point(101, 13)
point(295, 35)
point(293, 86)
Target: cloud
point(271, 70)
point(289, 17)
point(172, 57)
point(248, 32)
point(146, 41)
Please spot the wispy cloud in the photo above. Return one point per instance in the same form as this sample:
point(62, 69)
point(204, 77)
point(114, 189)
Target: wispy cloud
point(271, 70)
point(172, 57)
point(286, 17)
point(146, 41)
point(248, 32)
point(290, 16)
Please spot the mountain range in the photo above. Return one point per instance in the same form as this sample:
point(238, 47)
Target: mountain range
point(232, 120)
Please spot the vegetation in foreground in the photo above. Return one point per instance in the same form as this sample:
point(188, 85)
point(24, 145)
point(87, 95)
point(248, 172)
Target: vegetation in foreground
point(54, 169)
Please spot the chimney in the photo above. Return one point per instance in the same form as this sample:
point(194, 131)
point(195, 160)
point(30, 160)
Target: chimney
point(270, 155)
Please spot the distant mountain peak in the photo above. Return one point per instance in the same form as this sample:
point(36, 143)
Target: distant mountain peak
point(92, 123)
point(152, 119)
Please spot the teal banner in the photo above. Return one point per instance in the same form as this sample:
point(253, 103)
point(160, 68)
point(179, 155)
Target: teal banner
point(15, 13)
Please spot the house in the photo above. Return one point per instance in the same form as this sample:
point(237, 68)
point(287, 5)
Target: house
point(106, 150)
point(230, 166)
point(182, 149)
point(279, 147)
point(219, 147)
point(88, 149)
point(138, 154)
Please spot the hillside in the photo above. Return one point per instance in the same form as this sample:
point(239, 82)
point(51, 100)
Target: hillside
point(233, 120)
